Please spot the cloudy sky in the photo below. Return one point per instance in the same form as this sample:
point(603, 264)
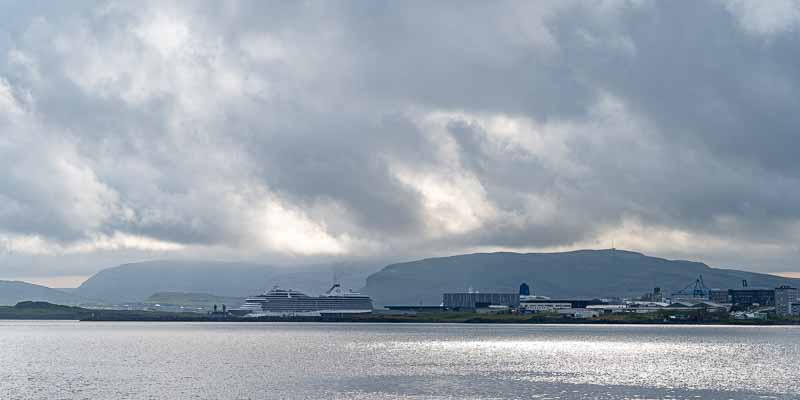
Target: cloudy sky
point(298, 132)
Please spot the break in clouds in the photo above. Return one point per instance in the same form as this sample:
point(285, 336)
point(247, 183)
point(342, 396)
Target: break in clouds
point(292, 132)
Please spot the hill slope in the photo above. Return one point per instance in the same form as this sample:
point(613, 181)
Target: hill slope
point(12, 292)
point(39, 310)
point(138, 281)
point(583, 273)
point(203, 300)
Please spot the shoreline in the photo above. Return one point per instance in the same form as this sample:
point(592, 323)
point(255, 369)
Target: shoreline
point(473, 320)
point(398, 322)
point(47, 311)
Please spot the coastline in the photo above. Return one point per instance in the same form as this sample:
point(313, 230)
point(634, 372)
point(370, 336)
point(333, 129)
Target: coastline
point(47, 311)
point(455, 319)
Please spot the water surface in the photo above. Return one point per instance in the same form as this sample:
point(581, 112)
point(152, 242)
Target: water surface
point(82, 360)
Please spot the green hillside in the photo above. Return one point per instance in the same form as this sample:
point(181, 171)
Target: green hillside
point(194, 300)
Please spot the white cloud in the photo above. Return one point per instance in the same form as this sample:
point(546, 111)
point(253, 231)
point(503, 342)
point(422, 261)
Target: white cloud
point(453, 202)
point(167, 33)
point(37, 245)
point(268, 130)
point(8, 102)
point(273, 225)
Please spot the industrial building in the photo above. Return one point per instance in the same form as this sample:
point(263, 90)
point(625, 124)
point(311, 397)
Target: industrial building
point(750, 297)
point(573, 303)
point(543, 307)
point(785, 297)
point(719, 296)
point(476, 300)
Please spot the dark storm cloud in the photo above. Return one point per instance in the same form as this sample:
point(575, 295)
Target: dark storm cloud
point(266, 130)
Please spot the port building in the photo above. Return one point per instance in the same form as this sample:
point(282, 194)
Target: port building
point(786, 297)
point(543, 307)
point(557, 303)
point(752, 297)
point(475, 300)
point(719, 296)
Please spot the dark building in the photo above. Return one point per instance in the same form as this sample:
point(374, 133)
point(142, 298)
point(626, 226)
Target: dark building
point(719, 296)
point(574, 303)
point(472, 301)
point(751, 296)
point(785, 297)
point(524, 289)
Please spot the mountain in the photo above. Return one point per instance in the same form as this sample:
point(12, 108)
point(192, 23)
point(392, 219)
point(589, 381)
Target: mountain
point(583, 273)
point(137, 281)
point(12, 292)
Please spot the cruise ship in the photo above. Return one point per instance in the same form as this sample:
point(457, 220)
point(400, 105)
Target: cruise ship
point(289, 303)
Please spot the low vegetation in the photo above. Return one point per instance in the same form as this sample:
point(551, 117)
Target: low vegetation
point(39, 310)
point(193, 300)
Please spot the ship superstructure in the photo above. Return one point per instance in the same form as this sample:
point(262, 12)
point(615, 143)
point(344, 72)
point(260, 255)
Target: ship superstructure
point(289, 302)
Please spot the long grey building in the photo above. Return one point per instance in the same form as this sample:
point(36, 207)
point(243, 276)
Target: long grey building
point(472, 301)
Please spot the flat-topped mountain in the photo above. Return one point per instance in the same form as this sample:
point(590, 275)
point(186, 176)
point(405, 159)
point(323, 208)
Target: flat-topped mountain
point(583, 273)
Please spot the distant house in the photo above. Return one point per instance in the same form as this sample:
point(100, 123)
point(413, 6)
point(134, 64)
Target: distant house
point(753, 315)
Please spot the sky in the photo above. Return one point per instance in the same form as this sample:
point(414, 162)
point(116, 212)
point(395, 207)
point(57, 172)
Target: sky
point(301, 132)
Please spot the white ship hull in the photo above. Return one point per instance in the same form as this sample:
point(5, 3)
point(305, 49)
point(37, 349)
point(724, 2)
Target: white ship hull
point(258, 314)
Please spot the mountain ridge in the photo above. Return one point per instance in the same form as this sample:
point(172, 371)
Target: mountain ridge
point(585, 273)
point(13, 292)
point(136, 282)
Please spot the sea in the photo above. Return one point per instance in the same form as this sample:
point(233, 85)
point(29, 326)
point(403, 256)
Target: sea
point(163, 360)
